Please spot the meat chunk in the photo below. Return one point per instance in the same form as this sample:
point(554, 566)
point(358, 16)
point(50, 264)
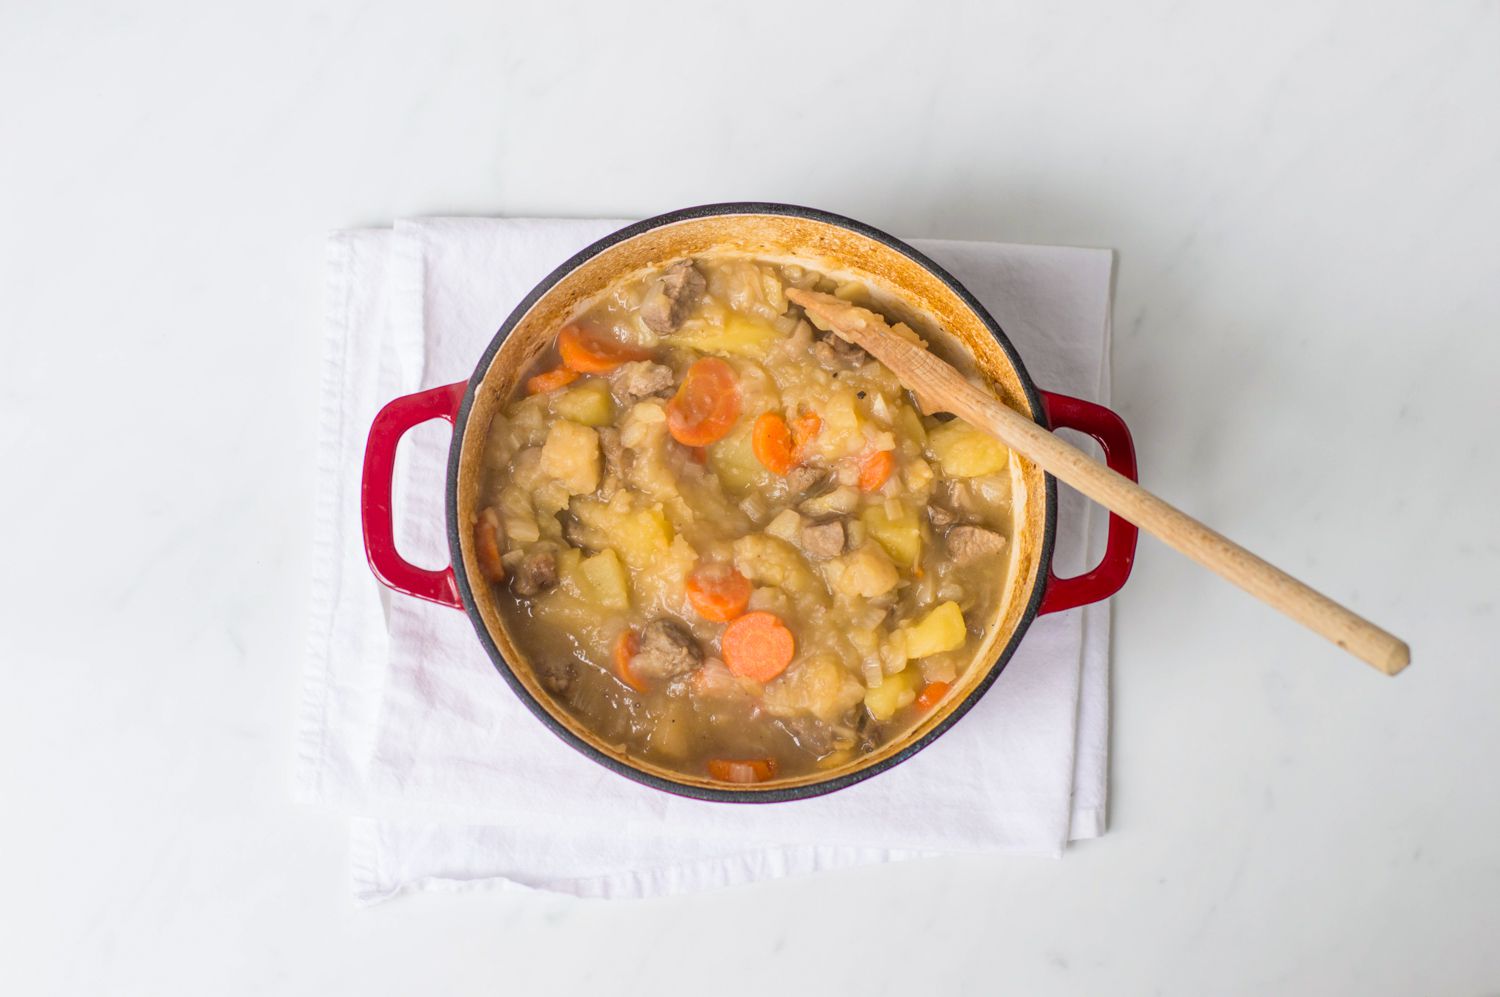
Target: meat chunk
point(557, 675)
point(811, 734)
point(965, 543)
point(833, 353)
point(805, 481)
point(641, 379)
point(940, 517)
point(712, 681)
point(614, 461)
point(667, 650)
point(673, 295)
point(537, 571)
point(826, 358)
point(824, 539)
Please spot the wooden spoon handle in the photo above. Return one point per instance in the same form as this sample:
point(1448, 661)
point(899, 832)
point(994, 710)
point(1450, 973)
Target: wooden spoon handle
point(1182, 532)
point(939, 387)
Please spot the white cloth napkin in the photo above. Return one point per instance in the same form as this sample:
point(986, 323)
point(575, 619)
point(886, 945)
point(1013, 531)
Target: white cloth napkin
point(455, 785)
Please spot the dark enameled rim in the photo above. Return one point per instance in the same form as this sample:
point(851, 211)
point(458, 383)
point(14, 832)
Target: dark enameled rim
point(749, 795)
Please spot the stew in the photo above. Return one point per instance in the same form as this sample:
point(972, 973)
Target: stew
point(729, 543)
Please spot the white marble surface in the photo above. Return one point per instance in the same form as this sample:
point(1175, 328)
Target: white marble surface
point(1305, 201)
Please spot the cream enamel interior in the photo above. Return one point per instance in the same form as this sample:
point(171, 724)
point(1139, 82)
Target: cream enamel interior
point(823, 246)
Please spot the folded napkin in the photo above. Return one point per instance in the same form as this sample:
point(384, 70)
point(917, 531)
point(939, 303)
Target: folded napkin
point(453, 784)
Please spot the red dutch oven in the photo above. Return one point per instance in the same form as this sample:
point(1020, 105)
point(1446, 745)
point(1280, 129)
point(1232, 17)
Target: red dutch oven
point(817, 239)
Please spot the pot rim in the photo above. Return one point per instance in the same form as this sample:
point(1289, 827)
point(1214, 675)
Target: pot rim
point(747, 795)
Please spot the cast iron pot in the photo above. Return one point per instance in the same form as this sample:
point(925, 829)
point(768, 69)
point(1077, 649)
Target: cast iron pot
point(824, 241)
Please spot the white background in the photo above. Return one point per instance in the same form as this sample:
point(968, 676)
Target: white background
point(1306, 202)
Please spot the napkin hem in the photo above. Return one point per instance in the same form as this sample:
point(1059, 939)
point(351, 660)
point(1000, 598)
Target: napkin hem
point(372, 886)
point(312, 738)
point(1090, 819)
point(1088, 823)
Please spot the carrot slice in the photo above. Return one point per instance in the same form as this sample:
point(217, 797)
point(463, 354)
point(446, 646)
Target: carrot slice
point(706, 405)
point(931, 695)
point(742, 769)
point(717, 591)
point(626, 645)
point(487, 546)
point(591, 353)
point(804, 430)
point(551, 380)
point(772, 442)
point(875, 469)
point(757, 646)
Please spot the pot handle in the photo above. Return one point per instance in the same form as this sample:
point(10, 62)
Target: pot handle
point(375, 517)
point(1106, 577)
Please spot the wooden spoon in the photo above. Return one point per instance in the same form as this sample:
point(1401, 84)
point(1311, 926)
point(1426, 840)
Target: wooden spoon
point(940, 388)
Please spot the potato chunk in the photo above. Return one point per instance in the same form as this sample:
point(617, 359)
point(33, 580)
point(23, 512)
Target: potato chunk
point(606, 577)
point(733, 460)
point(866, 573)
point(843, 426)
point(741, 337)
point(571, 456)
point(818, 685)
point(786, 525)
point(518, 517)
point(940, 630)
point(589, 404)
point(895, 692)
point(766, 560)
point(907, 423)
point(641, 537)
point(841, 501)
point(899, 535)
point(965, 452)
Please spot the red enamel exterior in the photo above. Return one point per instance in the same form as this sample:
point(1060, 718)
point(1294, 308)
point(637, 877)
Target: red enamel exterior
point(375, 515)
point(1107, 577)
